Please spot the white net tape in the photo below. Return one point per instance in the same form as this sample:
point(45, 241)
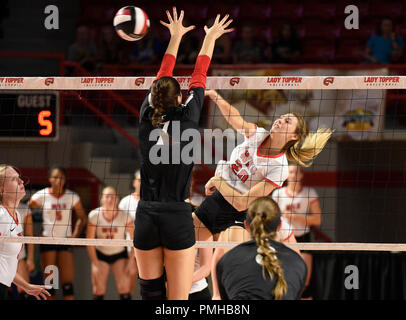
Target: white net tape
point(254, 83)
point(316, 246)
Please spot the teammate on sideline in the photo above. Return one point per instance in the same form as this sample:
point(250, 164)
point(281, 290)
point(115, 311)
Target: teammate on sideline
point(109, 222)
point(263, 268)
point(26, 261)
point(164, 232)
point(57, 203)
point(12, 190)
point(256, 167)
point(301, 208)
point(129, 205)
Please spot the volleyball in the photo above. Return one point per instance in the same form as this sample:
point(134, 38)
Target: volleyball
point(131, 23)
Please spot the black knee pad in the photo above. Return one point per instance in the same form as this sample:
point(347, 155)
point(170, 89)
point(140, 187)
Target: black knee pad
point(125, 296)
point(153, 289)
point(67, 289)
point(100, 297)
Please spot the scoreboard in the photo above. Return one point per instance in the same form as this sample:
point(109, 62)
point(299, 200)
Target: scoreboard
point(29, 116)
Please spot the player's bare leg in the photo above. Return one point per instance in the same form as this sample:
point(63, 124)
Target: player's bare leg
point(99, 280)
point(122, 278)
point(179, 267)
point(201, 232)
point(66, 267)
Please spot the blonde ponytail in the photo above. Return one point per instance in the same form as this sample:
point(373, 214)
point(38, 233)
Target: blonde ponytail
point(261, 213)
point(309, 145)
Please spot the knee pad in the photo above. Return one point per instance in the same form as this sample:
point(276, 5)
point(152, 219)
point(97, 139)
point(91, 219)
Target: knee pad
point(100, 297)
point(67, 289)
point(125, 296)
point(153, 289)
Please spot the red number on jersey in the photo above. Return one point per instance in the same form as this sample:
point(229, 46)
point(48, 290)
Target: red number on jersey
point(58, 215)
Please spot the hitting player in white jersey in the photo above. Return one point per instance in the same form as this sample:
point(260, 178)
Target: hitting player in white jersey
point(256, 167)
point(108, 222)
point(300, 206)
point(57, 204)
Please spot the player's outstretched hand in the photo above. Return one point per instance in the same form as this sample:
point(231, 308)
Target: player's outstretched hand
point(175, 24)
point(212, 94)
point(38, 291)
point(219, 27)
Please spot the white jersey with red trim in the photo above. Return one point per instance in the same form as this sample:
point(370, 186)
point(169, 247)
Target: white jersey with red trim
point(56, 212)
point(106, 228)
point(9, 251)
point(247, 166)
point(24, 212)
point(299, 204)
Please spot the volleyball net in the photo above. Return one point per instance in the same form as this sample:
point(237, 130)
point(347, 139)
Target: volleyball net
point(90, 126)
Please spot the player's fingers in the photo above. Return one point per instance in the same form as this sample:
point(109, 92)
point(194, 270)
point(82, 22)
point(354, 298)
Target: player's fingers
point(217, 19)
point(175, 14)
point(224, 19)
point(206, 29)
point(190, 28)
point(228, 30)
point(169, 16)
point(227, 24)
point(164, 23)
point(181, 15)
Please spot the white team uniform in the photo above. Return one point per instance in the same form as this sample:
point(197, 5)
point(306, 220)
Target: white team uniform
point(247, 166)
point(299, 203)
point(129, 205)
point(201, 284)
point(56, 212)
point(109, 228)
point(24, 212)
point(9, 251)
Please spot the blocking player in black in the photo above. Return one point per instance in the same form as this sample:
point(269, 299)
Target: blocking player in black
point(164, 231)
point(261, 269)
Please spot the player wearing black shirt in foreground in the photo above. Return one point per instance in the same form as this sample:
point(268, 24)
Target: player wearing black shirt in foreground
point(261, 269)
point(164, 230)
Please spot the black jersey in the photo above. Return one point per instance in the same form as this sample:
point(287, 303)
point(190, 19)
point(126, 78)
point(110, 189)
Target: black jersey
point(240, 276)
point(169, 180)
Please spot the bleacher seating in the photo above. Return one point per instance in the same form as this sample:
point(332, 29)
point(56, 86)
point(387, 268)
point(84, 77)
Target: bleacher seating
point(318, 22)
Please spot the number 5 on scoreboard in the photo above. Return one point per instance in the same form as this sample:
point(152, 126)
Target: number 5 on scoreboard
point(43, 122)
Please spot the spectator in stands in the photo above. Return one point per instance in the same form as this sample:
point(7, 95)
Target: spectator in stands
point(110, 48)
point(83, 50)
point(248, 49)
point(287, 47)
point(222, 51)
point(149, 50)
point(385, 46)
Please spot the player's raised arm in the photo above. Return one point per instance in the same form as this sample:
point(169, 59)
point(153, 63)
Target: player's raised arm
point(230, 113)
point(218, 28)
point(177, 31)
